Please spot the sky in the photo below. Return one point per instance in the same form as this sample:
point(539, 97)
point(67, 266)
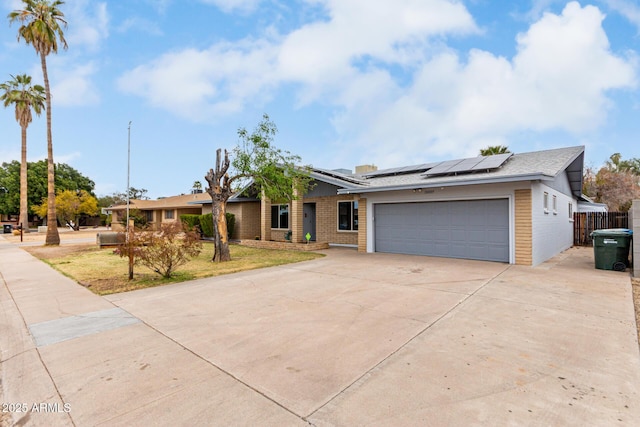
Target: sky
point(347, 82)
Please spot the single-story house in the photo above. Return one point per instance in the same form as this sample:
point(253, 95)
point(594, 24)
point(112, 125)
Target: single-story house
point(513, 208)
point(165, 209)
point(168, 209)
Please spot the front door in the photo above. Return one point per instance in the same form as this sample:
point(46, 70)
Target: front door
point(309, 222)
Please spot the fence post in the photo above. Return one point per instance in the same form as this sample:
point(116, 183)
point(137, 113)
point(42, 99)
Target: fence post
point(634, 223)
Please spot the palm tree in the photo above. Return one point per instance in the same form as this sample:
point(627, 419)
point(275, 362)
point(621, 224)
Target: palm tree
point(41, 27)
point(25, 97)
point(494, 149)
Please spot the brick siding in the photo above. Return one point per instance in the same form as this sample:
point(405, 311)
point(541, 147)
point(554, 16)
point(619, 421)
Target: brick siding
point(523, 224)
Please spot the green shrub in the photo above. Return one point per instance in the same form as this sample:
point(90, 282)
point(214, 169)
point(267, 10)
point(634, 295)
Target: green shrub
point(231, 223)
point(190, 221)
point(138, 217)
point(206, 224)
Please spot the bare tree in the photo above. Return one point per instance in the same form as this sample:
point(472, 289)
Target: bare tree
point(165, 250)
point(274, 172)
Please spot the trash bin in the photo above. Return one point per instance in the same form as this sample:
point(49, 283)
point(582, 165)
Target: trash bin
point(611, 248)
point(7, 228)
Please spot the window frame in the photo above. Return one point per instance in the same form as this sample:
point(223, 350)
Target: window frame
point(570, 210)
point(352, 220)
point(280, 215)
point(554, 202)
point(545, 202)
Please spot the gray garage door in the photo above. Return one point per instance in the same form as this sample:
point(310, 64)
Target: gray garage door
point(471, 229)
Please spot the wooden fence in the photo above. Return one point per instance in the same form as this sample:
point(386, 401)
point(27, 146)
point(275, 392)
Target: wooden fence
point(586, 222)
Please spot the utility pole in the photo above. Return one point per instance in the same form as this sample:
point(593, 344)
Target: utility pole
point(130, 226)
point(128, 171)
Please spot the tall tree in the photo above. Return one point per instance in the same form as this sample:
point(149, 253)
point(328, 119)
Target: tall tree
point(616, 184)
point(271, 170)
point(494, 149)
point(71, 205)
point(67, 178)
point(24, 96)
point(616, 164)
point(41, 27)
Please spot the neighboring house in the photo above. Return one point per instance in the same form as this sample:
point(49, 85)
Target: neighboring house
point(513, 208)
point(585, 204)
point(166, 209)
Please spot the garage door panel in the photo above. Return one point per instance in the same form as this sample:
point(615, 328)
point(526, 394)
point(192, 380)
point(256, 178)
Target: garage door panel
point(473, 229)
point(477, 236)
point(497, 235)
point(458, 236)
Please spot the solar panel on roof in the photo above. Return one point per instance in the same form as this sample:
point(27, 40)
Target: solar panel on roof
point(468, 165)
point(390, 171)
point(492, 162)
point(465, 165)
point(442, 167)
point(400, 170)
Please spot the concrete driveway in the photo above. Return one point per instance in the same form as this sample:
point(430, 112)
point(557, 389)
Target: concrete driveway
point(350, 339)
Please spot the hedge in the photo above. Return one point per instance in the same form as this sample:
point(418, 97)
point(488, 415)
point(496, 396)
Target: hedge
point(190, 221)
point(206, 224)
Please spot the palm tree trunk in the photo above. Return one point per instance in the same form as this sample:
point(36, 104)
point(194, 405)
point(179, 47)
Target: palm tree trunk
point(53, 238)
point(24, 207)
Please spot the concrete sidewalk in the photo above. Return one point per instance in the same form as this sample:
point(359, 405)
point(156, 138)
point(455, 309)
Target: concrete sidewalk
point(350, 339)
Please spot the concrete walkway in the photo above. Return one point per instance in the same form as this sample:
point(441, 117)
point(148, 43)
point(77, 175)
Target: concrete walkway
point(350, 339)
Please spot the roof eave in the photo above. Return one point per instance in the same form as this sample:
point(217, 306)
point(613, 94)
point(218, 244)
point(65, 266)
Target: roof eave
point(335, 180)
point(487, 180)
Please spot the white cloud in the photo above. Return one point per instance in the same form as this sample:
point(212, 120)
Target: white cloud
point(161, 6)
point(320, 56)
point(628, 9)
point(445, 103)
point(538, 7)
point(88, 23)
point(390, 32)
point(234, 5)
point(73, 86)
point(140, 24)
point(202, 84)
point(558, 80)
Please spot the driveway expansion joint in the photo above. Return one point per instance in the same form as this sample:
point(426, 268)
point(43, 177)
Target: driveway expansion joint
point(67, 328)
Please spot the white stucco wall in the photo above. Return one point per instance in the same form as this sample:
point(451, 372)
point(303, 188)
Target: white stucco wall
point(470, 192)
point(552, 231)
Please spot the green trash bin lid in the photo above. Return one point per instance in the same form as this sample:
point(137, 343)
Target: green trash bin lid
point(612, 232)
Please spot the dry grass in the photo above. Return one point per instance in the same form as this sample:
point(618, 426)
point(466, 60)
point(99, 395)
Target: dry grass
point(104, 272)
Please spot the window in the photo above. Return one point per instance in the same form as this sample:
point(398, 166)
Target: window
point(148, 215)
point(555, 205)
point(168, 214)
point(570, 210)
point(279, 216)
point(545, 202)
point(348, 216)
